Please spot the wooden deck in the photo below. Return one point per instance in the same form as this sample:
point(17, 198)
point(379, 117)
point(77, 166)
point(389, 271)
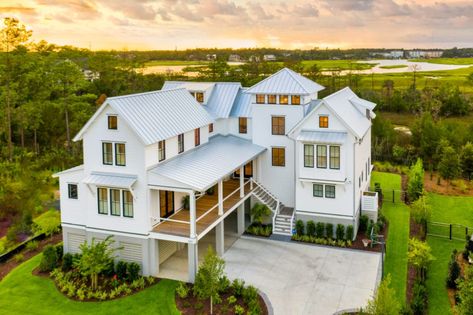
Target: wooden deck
point(204, 204)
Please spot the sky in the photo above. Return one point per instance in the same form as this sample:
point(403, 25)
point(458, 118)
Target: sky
point(302, 24)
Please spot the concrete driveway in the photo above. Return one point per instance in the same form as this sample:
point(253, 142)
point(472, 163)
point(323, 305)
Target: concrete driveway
point(304, 279)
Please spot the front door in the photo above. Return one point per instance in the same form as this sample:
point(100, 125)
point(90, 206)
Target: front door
point(166, 203)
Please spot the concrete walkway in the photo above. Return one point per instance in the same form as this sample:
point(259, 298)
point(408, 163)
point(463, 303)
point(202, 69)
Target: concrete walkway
point(304, 279)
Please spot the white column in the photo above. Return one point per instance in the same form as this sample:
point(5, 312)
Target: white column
point(220, 197)
point(192, 211)
point(192, 259)
point(220, 239)
point(153, 257)
point(241, 219)
point(242, 181)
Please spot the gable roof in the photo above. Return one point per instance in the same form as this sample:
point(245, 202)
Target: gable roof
point(157, 115)
point(286, 81)
point(222, 94)
point(242, 105)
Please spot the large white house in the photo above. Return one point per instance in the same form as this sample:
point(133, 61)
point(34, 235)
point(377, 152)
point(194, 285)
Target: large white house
point(163, 169)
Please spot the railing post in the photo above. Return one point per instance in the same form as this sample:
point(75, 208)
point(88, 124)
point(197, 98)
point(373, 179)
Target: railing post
point(450, 232)
point(220, 197)
point(251, 183)
point(242, 182)
point(192, 212)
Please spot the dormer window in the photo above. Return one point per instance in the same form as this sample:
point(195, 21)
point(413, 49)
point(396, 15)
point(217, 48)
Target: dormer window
point(283, 99)
point(260, 98)
point(112, 122)
point(296, 100)
point(272, 99)
point(323, 121)
point(199, 96)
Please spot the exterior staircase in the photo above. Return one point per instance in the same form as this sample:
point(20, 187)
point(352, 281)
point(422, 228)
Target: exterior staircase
point(283, 218)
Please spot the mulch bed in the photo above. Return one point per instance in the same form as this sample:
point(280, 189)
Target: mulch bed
point(6, 267)
point(415, 230)
point(358, 243)
point(187, 306)
point(463, 265)
point(445, 187)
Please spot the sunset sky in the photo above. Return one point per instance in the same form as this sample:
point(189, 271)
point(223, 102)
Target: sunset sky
point(170, 24)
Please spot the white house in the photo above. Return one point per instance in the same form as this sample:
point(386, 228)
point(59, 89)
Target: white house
point(163, 169)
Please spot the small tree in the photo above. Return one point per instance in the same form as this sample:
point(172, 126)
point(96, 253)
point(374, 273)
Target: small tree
point(259, 211)
point(384, 301)
point(95, 258)
point(420, 212)
point(415, 183)
point(465, 292)
point(453, 271)
point(419, 256)
point(449, 165)
point(207, 280)
point(467, 159)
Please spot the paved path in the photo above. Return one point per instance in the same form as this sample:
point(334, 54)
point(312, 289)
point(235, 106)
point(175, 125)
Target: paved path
point(304, 279)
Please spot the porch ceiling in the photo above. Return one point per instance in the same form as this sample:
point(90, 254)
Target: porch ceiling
point(204, 166)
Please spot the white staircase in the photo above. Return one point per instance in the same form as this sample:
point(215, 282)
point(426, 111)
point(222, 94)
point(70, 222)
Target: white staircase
point(283, 218)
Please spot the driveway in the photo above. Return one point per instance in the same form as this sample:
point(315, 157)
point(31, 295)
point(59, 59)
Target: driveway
point(304, 279)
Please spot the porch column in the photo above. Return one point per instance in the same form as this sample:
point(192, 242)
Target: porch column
point(241, 219)
point(192, 211)
point(192, 259)
point(153, 257)
point(220, 197)
point(219, 239)
point(242, 181)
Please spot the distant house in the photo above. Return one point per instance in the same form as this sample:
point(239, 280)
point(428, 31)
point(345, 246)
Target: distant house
point(211, 57)
point(90, 75)
point(396, 54)
point(269, 58)
point(425, 53)
point(235, 58)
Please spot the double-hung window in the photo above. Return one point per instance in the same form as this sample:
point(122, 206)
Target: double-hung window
point(243, 125)
point(112, 122)
point(102, 200)
point(329, 191)
point(318, 190)
point(115, 202)
point(278, 156)
point(197, 137)
point(107, 153)
point(127, 204)
point(296, 100)
point(321, 156)
point(162, 150)
point(120, 156)
point(334, 157)
point(180, 143)
point(278, 125)
point(308, 155)
point(72, 191)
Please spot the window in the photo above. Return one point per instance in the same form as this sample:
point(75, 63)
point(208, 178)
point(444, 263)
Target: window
point(322, 156)
point(107, 154)
point(369, 165)
point(197, 137)
point(242, 125)
point(112, 122)
point(180, 143)
point(318, 190)
point(283, 99)
point(199, 96)
point(296, 100)
point(278, 156)
point(272, 99)
point(323, 121)
point(127, 204)
point(102, 200)
point(334, 157)
point(162, 150)
point(260, 98)
point(120, 158)
point(115, 202)
point(211, 128)
point(329, 191)
point(72, 191)
point(278, 125)
point(308, 155)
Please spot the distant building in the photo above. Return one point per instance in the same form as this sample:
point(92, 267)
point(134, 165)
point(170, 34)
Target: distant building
point(433, 53)
point(269, 58)
point(235, 58)
point(425, 53)
point(90, 75)
point(254, 58)
point(211, 57)
point(396, 54)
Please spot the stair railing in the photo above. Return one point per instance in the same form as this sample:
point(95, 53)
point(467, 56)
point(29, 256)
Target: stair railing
point(293, 218)
point(278, 203)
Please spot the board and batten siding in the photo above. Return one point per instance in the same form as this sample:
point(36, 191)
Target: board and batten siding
point(131, 252)
point(74, 241)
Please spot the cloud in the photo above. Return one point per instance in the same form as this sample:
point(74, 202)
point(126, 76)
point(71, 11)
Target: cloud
point(83, 9)
point(18, 9)
point(305, 10)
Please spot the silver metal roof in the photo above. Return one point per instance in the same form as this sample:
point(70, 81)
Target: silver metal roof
point(160, 115)
point(310, 106)
point(110, 180)
point(242, 106)
point(204, 166)
point(328, 137)
point(285, 81)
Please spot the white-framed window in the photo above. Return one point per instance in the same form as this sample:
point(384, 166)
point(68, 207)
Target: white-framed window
point(112, 122)
point(72, 191)
point(335, 157)
point(120, 155)
point(308, 155)
point(116, 202)
point(180, 143)
point(127, 204)
point(107, 153)
point(318, 190)
point(329, 191)
point(321, 156)
point(102, 200)
point(161, 150)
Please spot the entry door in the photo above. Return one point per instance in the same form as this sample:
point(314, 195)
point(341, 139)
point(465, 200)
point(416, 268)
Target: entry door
point(248, 169)
point(166, 203)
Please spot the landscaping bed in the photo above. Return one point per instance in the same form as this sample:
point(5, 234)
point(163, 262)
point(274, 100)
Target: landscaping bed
point(256, 229)
point(456, 187)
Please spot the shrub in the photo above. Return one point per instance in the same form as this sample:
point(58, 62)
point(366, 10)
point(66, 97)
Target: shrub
point(340, 232)
point(59, 250)
point(384, 301)
point(238, 285)
point(133, 271)
point(223, 284)
point(19, 257)
point(419, 299)
point(311, 228)
point(109, 270)
point(121, 270)
point(30, 246)
point(67, 261)
point(329, 230)
point(250, 294)
point(299, 227)
point(369, 228)
point(350, 232)
point(231, 299)
point(453, 271)
point(49, 260)
point(319, 230)
point(239, 310)
point(364, 219)
point(415, 184)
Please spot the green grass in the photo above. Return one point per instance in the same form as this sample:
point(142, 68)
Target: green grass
point(48, 218)
point(393, 67)
point(447, 61)
point(408, 119)
point(23, 293)
point(396, 247)
point(452, 209)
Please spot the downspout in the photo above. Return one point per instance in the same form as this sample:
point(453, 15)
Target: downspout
point(354, 185)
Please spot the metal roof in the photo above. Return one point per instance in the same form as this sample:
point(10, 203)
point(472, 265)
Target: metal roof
point(310, 107)
point(337, 137)
point(286, 81)
point(70, 170)
point(205, 165)
point(242, 106)
point(157, 115)
point(110, 180)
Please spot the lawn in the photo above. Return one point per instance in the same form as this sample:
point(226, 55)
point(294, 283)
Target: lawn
point(447, 61)
point(23, 293)
point(396, 247)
